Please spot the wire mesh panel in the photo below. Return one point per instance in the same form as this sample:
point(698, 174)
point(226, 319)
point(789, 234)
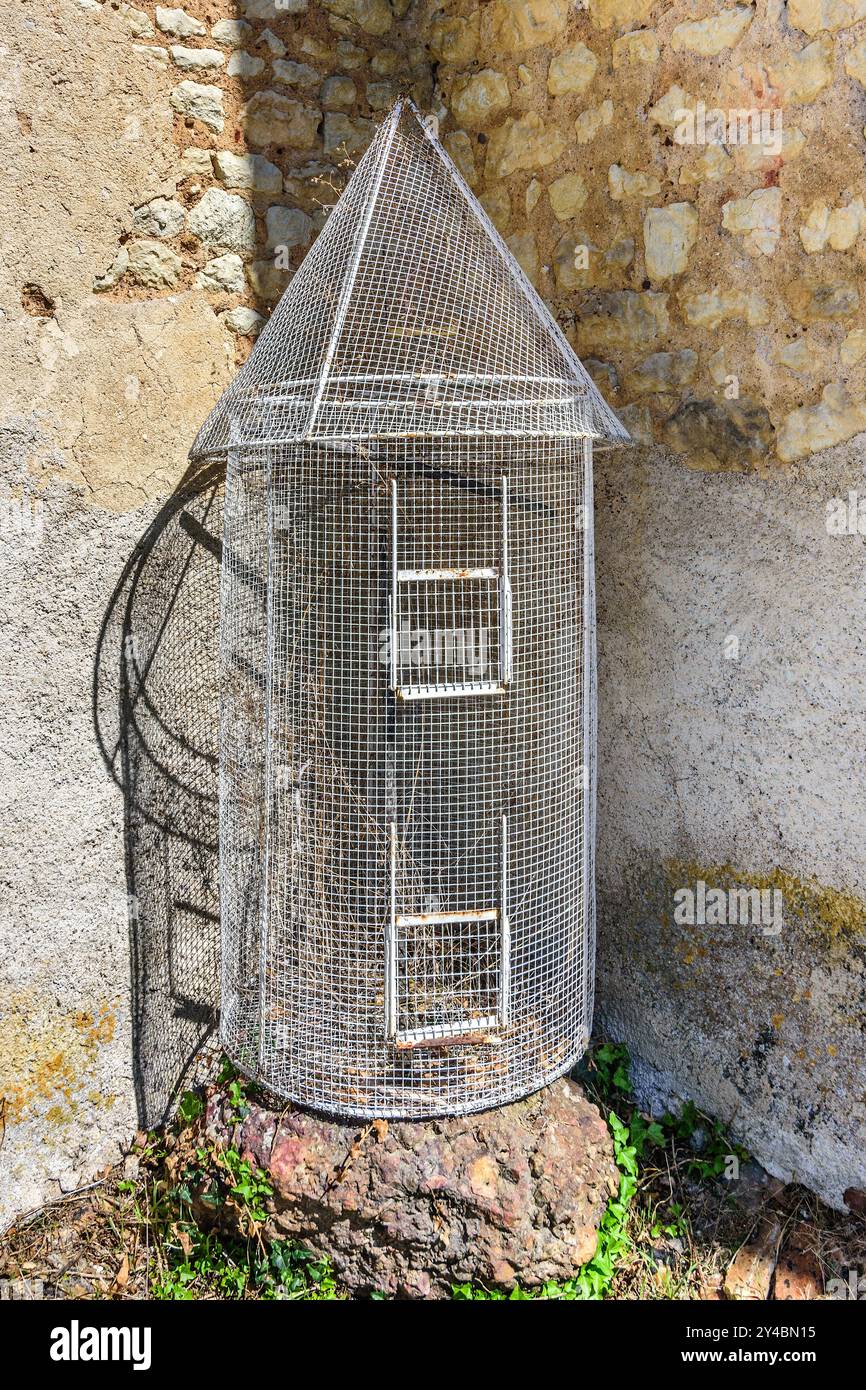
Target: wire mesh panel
point(407, 732)
point(451, 592)
point(243, 663)
point(447, 978)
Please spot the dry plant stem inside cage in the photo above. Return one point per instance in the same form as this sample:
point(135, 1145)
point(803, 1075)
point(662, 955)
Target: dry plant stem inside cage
point(407, 652)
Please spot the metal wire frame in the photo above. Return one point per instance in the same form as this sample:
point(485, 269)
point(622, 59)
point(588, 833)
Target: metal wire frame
point(407, 739)
point(406, 883)
point(408, 315)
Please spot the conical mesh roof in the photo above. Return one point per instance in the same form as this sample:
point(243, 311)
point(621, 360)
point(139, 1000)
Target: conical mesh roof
point(409, 316)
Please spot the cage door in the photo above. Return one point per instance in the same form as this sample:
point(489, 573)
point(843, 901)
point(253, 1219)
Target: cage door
point(450, 629)
point(447, 974)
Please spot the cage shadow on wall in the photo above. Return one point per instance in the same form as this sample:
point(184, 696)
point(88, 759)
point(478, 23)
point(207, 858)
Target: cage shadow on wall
point(156, 712)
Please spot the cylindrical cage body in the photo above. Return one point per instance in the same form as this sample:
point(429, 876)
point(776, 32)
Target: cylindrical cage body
point(407, 776)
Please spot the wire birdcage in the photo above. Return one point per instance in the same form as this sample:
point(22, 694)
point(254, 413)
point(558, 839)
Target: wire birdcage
point(407, 653)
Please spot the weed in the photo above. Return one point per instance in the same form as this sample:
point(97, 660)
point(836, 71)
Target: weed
point(205, 1262)
point(716, 1147)
point(190, 1107)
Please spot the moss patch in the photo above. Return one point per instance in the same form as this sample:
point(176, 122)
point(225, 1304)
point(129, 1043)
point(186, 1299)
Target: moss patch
point(832, 916)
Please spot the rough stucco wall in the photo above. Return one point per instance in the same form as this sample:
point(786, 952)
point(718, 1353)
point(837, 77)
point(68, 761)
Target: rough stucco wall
point(138, 259)
point(736, 772)
point(99, 401)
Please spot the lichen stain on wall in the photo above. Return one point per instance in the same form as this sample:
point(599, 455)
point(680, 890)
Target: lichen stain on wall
point(834, 918)
point(774, 1021)
point(817, 929)
point(48, 1057)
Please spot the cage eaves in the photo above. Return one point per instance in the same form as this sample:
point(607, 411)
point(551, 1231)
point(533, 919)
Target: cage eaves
point(407, 656)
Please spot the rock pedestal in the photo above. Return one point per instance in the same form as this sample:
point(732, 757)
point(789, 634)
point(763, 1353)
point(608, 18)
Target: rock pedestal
point(409, 1209)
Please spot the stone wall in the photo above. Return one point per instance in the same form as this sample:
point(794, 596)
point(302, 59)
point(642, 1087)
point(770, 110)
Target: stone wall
point(718, 301)
point(166, 171)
